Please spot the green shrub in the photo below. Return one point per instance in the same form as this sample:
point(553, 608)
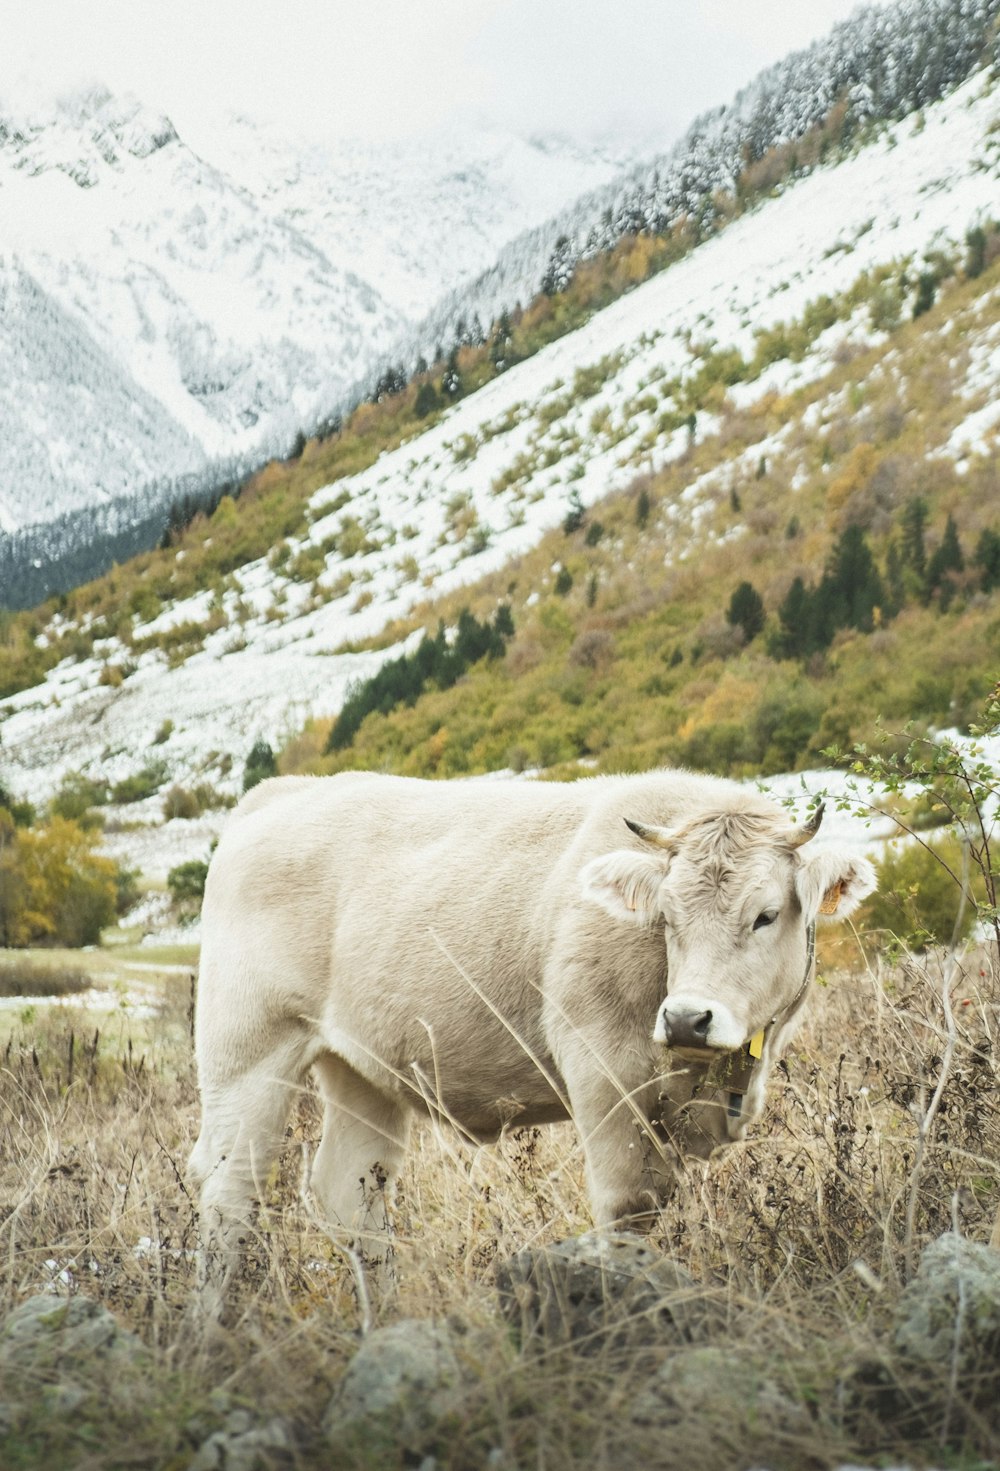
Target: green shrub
point(260, 764)
point(918, 899)
point(186, 882)
point(76, 798)
point(21, 813)
point(141, 784)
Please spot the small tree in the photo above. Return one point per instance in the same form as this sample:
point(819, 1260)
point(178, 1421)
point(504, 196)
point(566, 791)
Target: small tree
point(959, 784)
point(746, 611)
point(186, 882)
point(427, 401)
point(451, 379)
point(260, 764)
point(926, 289)
point(975, 254)
point(913, 551)
point(987, 559)
point(559, 271)
point(947, 558)
point(575, 516)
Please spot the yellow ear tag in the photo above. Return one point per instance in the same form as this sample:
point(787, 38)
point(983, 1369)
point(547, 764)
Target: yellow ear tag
point(831, 899)
point(756, 1044)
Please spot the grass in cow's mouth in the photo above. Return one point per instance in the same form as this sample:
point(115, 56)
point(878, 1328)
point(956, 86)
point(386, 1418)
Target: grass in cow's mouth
point(799, 1240)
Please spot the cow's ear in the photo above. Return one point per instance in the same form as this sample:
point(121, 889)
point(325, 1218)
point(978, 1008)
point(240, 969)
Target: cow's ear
point(832, 882)
point(626, 884)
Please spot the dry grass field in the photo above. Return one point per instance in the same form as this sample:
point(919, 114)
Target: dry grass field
point(883, 1132)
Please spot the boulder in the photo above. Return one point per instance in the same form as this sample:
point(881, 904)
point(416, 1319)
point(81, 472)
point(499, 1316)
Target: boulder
point(601, 1287)
point(61, 1332)
point(243, 1446)
point(706, 1387)
point(403, 1380)
point(947, 1320)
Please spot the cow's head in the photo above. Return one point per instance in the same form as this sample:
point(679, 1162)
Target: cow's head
point(736, 894)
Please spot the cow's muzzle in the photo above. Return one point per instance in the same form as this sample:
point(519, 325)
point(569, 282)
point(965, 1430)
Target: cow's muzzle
point(695, 1026)
point(687, 1028)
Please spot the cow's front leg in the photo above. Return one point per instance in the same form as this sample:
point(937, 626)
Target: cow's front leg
point(630, 1169)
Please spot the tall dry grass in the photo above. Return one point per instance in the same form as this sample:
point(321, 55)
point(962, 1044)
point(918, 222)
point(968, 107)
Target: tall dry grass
point(883, 1131)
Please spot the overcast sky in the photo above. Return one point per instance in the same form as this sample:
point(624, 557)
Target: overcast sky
point(386, 66)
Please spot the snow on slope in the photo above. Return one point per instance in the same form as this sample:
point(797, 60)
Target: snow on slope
point(418, 215)
point(230, 289)
point(483, 483)
point(82, 393)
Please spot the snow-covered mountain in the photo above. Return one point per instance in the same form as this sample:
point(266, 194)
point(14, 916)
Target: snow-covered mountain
point(482, 485)
point(179, 310)
point(884, 63)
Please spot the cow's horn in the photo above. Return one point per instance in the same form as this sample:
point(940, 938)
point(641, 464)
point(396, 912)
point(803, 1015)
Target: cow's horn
point(660, 837)
point(808, 829)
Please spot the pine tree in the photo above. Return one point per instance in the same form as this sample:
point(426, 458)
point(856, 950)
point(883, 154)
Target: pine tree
point(260, 764)
point(500, 341)
point(559, 271)
point(451, 379)
point(987, 559)
point(913, 551)
point(975, 252)
point(746, 610)
point(895, 587)
point(855, 584)
point(926, 289)
point(426, 401)
point(575, 516)
point(791, 641)
point(947, 558)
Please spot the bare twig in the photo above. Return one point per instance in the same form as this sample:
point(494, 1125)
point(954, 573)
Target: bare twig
point(925, 1122)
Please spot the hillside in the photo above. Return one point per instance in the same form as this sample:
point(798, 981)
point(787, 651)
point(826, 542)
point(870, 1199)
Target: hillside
point(231, 287)
point(727, 421)
point(245, 285)
point(884, 64)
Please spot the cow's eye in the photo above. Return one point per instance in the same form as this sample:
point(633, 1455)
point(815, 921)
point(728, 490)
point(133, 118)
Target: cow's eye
point(768, 917)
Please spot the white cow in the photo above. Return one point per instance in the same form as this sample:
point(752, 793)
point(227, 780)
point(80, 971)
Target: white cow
point(498, 954)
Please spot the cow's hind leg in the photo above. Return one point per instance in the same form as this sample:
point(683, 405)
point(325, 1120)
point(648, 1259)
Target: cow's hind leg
point(357, 1163)
point(243, 1121)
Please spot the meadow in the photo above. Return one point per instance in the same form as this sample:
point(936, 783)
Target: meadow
point(883, 1131)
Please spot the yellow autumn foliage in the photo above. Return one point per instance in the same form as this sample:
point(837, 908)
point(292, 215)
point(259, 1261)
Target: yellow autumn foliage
point(859, 466)
point(54, 887)
point(729, 700)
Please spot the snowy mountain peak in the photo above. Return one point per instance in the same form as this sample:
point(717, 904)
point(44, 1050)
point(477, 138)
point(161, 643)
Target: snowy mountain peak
point(233, 282)
point(84, 135)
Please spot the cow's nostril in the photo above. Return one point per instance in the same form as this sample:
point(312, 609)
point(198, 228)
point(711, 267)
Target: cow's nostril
point(685, 1027)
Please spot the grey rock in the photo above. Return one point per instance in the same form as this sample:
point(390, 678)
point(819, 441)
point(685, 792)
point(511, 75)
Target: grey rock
point(719, 1385)
point(253, 1448)
point(401, 1382)
point(61, 1401)
point(948, 1316)
point(239, 1422)
point(63, 1331)
point(603, 1285)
